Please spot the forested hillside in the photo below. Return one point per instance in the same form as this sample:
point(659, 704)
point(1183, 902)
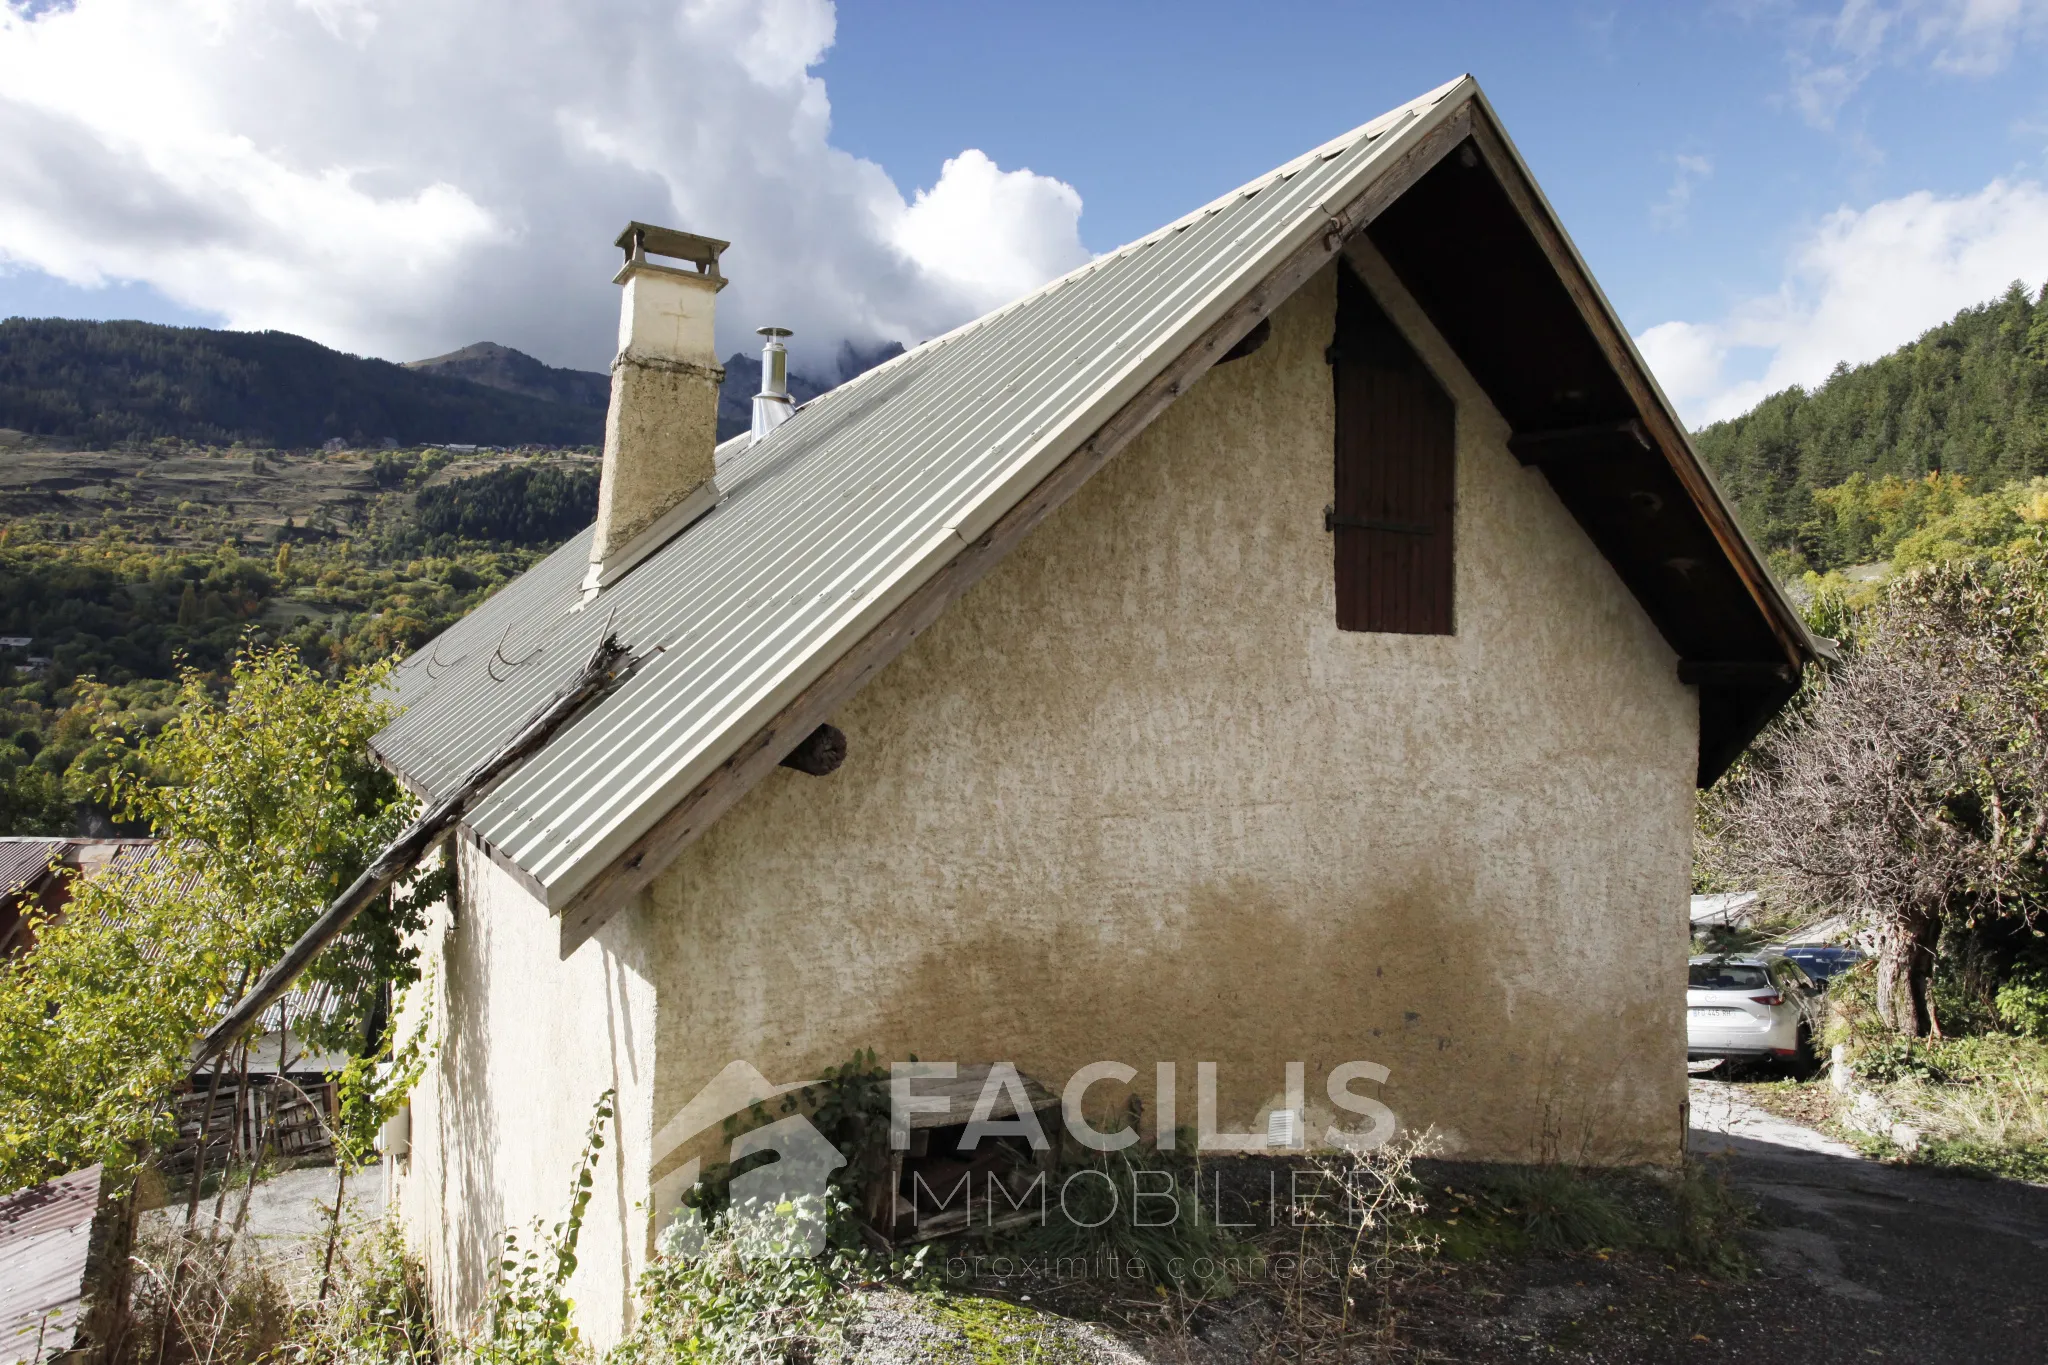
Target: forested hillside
point(120, 568)
point(516, 505)
point(1969, 398)
point(100, 384)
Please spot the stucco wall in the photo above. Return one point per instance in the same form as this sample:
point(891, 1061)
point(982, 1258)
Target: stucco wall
point(1135, 797)
point(526, 1045)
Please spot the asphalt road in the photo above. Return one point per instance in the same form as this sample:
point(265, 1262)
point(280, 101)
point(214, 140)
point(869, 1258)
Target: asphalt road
point(1865, 1261)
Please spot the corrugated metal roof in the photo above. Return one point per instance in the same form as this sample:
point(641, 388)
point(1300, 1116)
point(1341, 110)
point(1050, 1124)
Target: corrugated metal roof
point(144, 862)
point(829, 523)
point(155, 875)
point(45, 1233)
point(24, 861)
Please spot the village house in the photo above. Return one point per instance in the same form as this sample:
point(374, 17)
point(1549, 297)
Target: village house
point(1293, 638)
point(281, 1090)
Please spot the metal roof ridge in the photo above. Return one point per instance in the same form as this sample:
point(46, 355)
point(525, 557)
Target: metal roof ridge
point(1368, 130)
point(1343, 142)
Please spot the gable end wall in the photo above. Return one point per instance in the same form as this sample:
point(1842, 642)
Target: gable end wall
point(1135, 797)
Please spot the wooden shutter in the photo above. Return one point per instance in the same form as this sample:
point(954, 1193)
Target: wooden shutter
point(1396, 437)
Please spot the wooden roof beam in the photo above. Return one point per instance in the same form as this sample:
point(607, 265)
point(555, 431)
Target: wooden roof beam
point(1620, 353)
point(1600, 440)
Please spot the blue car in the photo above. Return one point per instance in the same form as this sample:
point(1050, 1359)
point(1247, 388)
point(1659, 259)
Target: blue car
point(1822, 961)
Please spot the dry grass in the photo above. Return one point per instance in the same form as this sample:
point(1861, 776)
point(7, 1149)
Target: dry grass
point(215, 1300)
point(1980, 1103)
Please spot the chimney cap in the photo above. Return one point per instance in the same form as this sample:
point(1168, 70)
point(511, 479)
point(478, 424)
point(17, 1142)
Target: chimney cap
point(773, 332)
point(640, 240)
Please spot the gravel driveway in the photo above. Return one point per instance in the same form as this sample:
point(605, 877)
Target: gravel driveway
point(1865, 1261)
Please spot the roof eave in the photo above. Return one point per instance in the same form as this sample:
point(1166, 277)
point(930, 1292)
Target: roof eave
point(1801, 646)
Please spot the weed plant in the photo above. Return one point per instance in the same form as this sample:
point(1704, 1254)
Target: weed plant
point(1144, 1209)
point(1980, 1102)
point(746, 1292)
point(1691, 1217)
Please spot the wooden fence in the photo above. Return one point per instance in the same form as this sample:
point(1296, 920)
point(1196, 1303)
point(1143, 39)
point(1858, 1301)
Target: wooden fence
point(289, 1118)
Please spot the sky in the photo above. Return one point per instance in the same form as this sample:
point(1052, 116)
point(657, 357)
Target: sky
point(1764, 188)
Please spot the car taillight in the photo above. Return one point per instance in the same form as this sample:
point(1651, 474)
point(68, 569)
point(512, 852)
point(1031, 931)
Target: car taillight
point(1772, 999)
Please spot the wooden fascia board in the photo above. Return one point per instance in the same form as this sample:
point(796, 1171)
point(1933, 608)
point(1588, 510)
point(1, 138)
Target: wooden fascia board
point(1652, 407)
point(635, 867)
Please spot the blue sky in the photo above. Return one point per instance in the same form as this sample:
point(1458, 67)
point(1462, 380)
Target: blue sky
point(1761, 188)
point(1149, 110)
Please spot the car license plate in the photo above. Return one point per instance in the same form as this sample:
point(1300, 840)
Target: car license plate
point(1716, 1012)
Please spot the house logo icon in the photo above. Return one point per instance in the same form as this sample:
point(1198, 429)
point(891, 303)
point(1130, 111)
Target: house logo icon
point(778, 1209)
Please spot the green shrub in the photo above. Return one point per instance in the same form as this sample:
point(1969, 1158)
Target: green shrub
point(1707, 1220)
point(1561, 1209)
point(377, 1309)
point(2007, 1160)
point(2023, 1001)
point(748, 1292)
point(1693, 1218)
point(1893, 1059)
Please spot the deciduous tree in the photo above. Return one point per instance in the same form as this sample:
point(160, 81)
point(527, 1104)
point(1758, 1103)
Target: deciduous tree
point(266, 802)
point(1912, 792)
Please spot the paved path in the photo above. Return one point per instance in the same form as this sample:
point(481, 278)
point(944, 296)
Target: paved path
point(1725, 1123)
point(1865, 1261)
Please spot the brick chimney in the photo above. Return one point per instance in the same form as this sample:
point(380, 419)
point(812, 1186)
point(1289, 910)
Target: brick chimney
point(663, 423)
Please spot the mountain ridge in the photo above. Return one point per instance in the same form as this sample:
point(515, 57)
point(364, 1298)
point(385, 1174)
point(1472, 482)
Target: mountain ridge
point(101, 384)
point(104, 384)
point(500, 367)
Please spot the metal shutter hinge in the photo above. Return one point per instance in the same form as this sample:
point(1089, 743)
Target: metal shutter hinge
point(1333, 522)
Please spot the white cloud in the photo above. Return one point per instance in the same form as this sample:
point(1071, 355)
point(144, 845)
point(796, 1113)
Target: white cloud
point(1834, 55)
point(995, 233)
point(1863, 283)
point(399, 178)
point(1671, 211)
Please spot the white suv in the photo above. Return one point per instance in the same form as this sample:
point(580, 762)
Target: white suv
point(1744, 1007)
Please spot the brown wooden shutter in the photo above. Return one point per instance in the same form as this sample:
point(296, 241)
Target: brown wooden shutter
point(1396, 437)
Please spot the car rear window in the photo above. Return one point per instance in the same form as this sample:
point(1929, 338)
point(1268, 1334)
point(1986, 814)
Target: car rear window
point(1725, 976)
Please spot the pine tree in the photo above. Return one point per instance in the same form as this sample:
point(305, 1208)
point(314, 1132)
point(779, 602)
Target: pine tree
point(1968, 397)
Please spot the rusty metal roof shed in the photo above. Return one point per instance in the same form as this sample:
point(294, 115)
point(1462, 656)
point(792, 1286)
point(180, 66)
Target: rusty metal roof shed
point(25, 861)
point(45, 1238)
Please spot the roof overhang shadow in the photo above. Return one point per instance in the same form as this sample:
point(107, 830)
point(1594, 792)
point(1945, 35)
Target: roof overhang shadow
point(1474, 243)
